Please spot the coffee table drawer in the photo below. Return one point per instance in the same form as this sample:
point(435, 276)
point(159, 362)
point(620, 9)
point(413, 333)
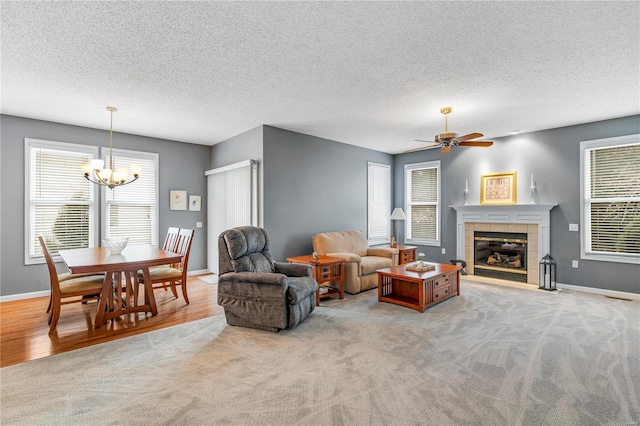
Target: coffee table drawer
point(441, 281)
point(441, 293)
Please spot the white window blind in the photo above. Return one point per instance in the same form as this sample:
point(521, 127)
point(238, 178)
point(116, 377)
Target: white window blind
point(379, 203)
point(611, 199)
point(422, 203)
point(232, 201)
point(59, 201)
point(132, 210)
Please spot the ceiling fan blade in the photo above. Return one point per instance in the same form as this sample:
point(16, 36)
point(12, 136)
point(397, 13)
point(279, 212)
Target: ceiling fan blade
point(476, 143)
point(422, 140)
point(422, 148)
point(467, 137)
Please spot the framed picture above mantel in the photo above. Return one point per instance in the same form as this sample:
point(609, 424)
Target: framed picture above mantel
point(498, 188)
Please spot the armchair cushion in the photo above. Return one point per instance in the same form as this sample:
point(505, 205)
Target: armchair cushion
point(370, 264)
point(340, 242)
point(347, 257)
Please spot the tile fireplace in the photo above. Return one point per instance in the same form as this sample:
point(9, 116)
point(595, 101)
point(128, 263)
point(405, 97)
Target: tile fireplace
point(525, 227)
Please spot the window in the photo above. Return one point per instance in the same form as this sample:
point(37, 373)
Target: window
point(378, 203)
point(59, 201)
point(60, 204)
point(610, 192)
point(422, 203)
point(132, 210)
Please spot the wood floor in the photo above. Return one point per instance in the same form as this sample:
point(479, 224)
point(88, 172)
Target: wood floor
point(24, 329)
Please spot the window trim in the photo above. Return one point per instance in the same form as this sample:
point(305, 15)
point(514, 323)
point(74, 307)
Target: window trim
point(384, 239)
point(407, 197)
point(585, 227)
point(30, 144)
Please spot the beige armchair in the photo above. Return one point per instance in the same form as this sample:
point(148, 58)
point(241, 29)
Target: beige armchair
point(360, 260)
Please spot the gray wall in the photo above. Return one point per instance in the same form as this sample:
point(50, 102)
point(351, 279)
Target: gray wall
point(312, 185)
point(553, 156)
point(182, 166)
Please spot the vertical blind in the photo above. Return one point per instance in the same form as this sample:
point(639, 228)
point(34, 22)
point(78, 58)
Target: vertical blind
point(422, 183)
point(232, 201)
point(132, 210)
point(612, 179)
point(60, 202)
point(379, 202)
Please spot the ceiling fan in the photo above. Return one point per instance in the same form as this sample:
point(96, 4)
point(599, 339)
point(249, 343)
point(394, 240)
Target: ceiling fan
point(448, 139)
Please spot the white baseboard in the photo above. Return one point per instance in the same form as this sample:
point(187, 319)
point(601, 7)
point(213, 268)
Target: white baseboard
point(35, 294)
point(21, 296)
point(600, 291)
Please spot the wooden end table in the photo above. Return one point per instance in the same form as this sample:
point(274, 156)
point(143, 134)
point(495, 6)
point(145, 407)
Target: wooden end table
point(323, 270)
point(406, 254)
point(418, 290)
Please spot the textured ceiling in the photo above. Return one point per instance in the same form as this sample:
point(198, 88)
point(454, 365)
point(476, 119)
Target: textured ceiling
point(372, 74)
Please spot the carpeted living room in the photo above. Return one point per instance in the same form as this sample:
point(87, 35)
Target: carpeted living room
point(247, 211)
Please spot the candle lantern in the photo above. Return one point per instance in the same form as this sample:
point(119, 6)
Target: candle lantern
point(547, 273)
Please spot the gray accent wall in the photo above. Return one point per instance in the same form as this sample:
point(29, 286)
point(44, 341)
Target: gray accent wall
point(182, 166)
point(312, 185)
point(553, 156)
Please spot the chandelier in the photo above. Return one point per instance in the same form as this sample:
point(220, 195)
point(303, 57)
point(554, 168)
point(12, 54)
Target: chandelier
point(96, 173)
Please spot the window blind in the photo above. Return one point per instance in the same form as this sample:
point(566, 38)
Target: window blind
point(60, 202)
point(379, 202)
point(232, 197)
point(422, 183)
point(131, 211)
point(612, 179)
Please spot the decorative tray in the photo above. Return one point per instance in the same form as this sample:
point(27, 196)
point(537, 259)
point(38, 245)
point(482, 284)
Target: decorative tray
point(417, 267)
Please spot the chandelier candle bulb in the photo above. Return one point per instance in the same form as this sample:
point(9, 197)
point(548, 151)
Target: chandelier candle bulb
point(466, 184)
point(532, 180)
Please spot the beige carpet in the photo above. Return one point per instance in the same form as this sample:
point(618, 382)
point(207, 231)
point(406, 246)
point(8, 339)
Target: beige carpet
point(493, 356)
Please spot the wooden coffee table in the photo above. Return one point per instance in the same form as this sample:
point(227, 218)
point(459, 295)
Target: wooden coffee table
point(418, 290)
point(324, 269)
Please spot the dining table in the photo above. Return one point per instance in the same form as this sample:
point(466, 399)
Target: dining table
point(123, 273)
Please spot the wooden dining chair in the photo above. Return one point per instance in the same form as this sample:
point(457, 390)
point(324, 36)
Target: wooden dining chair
point(170, 243)
point(174, 275)
point(66, 286)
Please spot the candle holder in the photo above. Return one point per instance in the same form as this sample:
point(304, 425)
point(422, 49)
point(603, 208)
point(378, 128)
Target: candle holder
point(533, 190)
point(466, 197)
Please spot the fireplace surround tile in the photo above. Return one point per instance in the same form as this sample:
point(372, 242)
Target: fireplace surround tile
point(534, 219)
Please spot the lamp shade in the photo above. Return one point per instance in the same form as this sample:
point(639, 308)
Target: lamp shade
point(398, 214)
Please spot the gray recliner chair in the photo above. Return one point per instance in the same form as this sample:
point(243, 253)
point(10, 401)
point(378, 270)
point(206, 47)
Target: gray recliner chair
point(257, 292)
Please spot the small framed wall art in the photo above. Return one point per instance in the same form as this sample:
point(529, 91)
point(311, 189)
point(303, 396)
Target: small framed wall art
point(177, 200)
point(194, 203)
point(498, 188)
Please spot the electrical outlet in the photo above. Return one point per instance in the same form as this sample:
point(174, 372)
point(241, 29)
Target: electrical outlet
point(444, 251)
point(573, 227)
point(198, 224)
point(574, 263)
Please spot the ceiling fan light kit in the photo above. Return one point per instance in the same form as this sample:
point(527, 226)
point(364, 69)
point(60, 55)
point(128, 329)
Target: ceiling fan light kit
point(448, 139)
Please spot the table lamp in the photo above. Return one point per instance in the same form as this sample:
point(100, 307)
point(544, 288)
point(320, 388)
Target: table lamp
point(397, 215)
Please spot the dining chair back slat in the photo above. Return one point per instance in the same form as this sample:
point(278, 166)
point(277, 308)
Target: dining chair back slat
point(171, 240)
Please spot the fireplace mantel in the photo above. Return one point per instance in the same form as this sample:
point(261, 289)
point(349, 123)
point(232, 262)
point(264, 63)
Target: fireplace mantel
point(536, 214)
